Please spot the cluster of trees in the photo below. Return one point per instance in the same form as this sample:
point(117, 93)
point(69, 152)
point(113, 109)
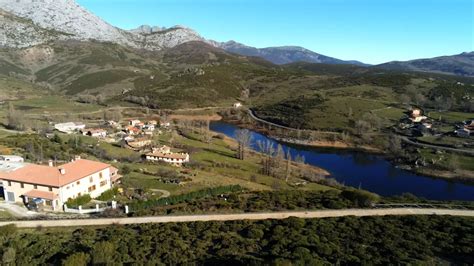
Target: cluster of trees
point(88, 98)
point(260, 201)
point(15, 118)
point(422, 240)
point(138, 206)
point(278, 163)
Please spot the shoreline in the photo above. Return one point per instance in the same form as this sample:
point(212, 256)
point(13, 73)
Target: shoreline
point(436, 174)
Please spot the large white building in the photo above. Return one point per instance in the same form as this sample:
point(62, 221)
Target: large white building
point(164, 154)
point(69, 127)
point(55, 185)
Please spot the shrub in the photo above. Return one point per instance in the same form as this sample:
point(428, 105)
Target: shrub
point(79, 201)
point(109, 194)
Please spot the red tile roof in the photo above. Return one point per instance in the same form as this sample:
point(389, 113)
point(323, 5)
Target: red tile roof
point(51, 176)
point(41, 194)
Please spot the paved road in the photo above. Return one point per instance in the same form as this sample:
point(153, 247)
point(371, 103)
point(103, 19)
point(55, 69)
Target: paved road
point(465, 151)
point(242, 216)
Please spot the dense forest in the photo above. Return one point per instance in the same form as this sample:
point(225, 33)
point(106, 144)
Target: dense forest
point(348, 241)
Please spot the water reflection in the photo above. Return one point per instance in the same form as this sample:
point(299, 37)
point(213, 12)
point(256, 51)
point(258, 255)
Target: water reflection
point(368, 171)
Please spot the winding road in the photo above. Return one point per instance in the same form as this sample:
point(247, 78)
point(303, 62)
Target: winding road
point(239, 216)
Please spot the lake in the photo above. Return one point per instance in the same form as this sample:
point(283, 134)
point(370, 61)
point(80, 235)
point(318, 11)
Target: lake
point(367, 171)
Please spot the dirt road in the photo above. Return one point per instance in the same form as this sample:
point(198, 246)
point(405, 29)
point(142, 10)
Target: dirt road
point(242, 216)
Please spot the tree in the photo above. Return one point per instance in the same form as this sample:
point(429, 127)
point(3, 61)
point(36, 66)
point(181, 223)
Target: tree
point(14, 118)
point(395, 145)
point(77, 259)
point(288, 165)
point(244, 138)
point(268, 150)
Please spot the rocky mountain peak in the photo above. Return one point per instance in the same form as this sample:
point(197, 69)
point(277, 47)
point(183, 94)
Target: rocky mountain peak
point(69, 18)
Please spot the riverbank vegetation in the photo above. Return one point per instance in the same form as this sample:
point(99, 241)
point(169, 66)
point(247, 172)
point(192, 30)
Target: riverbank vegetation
point(348, 240)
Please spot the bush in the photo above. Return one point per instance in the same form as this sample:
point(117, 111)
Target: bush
point(109, 194)
point(79, 201)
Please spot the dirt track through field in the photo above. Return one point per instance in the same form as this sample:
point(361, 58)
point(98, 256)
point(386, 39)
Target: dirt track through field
point(240, 216)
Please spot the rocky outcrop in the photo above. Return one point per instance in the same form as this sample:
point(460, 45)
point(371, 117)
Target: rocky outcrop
point(44, 20)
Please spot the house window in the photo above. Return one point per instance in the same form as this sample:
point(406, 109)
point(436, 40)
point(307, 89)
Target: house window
point(22, 185)
point(79, 194)
point(103, 183)
point(50, 188)
point(91, 179)
point(35, 186)
point(78, 182)
point(9, 183)
point(100, 175)
point(92, 188)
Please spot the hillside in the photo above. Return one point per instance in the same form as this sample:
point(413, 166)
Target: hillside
point(461, 65)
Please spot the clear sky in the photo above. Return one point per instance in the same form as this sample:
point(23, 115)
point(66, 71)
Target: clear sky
point(372, 31)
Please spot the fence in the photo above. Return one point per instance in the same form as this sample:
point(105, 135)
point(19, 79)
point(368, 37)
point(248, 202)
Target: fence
point(97, 209)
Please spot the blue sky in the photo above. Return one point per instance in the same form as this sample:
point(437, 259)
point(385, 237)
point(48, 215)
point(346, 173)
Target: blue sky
point(372, 31)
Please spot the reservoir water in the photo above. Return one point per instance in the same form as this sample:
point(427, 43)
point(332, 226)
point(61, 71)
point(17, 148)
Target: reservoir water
point(367, 171)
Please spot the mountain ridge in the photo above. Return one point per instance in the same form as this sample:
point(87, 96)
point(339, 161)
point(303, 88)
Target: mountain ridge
point(459, 64)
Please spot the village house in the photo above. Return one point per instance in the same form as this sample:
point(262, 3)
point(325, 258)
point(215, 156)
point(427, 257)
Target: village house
point(70, 127)
point(165, 124)
point(134, 122)
point(139, 143)
point(467, 130)
point(131, 130)
point(464, 133)
point(152, 122)
point(55, 185)
point(417, 116)
point(112, 124)
point(237, 105)
point(94, 132)
point(164, 154)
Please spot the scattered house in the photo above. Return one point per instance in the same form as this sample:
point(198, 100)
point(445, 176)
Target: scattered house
point(464, 132)
point(149, 127)
point(11, 158)
point(112, 124)
point(95, 132)
point(416, 115)
point(134, 122)
point(70, 127)
point(139, 143)
point(424, 128)
point(54, 185)
point(148, 132)
point(152, 122)
point(164, 154)
point(165, 124)
point(131, 130)
point(140, 125)
point(128, 138)
point(237, 105)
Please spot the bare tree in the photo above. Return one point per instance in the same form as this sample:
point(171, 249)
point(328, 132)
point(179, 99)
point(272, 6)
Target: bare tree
point(15, 118)
point(268, 150)
point(288, 165)
point(244, 137)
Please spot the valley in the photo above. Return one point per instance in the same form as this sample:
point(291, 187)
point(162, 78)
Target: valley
point(224, 143)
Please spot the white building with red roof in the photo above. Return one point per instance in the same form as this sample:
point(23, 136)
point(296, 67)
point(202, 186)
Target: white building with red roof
point(56, 184)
